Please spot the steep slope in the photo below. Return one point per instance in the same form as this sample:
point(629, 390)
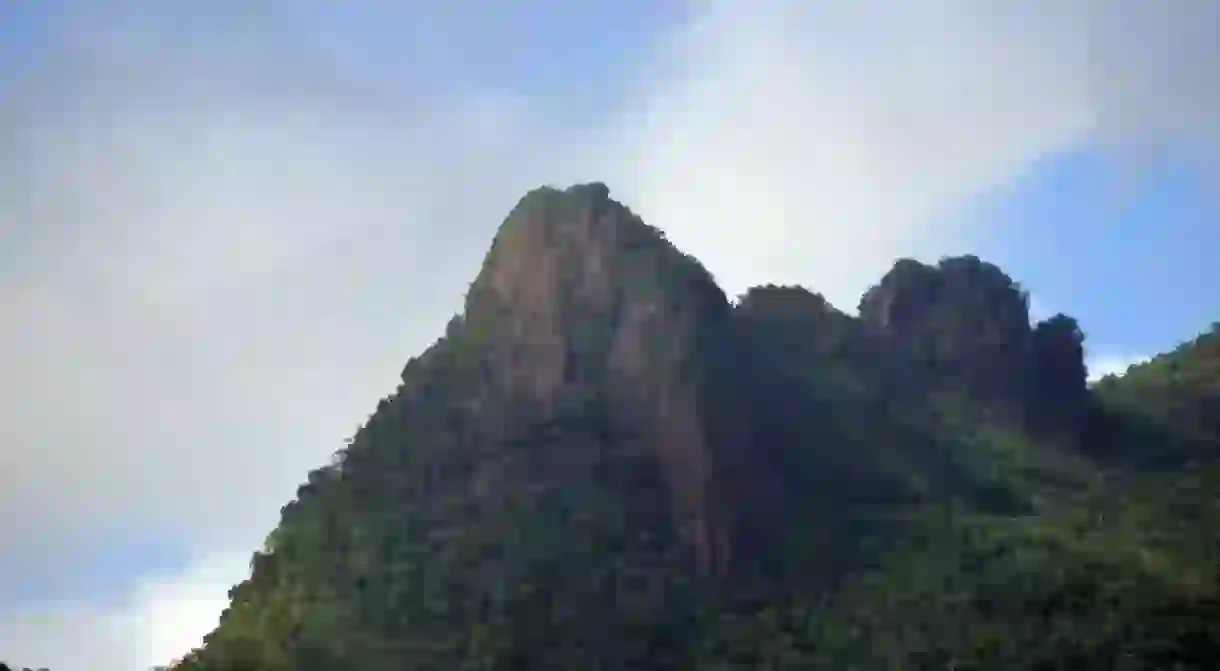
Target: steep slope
point(546, 461)
point(1166, 410)
point(966, 324)
point(604, 464)
point(843, 427)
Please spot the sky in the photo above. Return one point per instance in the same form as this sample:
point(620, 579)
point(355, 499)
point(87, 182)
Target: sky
point(225, 226)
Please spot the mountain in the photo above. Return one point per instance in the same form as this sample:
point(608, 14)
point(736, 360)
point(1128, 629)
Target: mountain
point(605, 463)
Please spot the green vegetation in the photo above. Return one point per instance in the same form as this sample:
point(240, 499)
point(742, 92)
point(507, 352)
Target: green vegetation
point(604, 464)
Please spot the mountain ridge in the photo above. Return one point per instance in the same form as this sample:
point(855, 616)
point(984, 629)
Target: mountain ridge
point(605, 463)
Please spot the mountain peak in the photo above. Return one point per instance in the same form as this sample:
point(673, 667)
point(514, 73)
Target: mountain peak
point(600, 431)
point(579, 297)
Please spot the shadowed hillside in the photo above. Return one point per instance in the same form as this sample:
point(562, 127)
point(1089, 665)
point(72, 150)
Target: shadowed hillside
point(606, 464)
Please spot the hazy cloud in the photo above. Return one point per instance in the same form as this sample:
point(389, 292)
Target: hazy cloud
point(162, 617)
point(1110, 363)
point(229, 227)
point(815, 142)
point(222, 258)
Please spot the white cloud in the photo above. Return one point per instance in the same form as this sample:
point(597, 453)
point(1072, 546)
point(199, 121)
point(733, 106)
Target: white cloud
point(231, 233)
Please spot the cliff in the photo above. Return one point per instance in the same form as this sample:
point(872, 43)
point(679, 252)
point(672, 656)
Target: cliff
point(578, 296)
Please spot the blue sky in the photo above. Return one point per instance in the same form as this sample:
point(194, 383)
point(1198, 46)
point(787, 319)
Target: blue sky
point(1129, 254)
point(227, 226)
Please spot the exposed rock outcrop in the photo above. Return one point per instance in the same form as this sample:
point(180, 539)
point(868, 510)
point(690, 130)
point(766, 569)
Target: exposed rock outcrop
point(579, 296)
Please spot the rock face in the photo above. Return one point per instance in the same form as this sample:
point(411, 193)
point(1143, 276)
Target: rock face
point(578, 296)
point(966, 324)
point(964, 319)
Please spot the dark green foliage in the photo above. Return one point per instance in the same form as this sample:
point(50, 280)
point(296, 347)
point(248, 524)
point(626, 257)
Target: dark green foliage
point(456, 553)
point(1059, 388)
point(1174, 397)
point(981, 593)
point(929, 485)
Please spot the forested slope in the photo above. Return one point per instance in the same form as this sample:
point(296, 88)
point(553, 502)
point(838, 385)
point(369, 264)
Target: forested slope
point(606, 464)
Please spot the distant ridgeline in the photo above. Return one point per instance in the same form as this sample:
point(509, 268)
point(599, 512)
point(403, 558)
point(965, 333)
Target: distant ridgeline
point(606, 464)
